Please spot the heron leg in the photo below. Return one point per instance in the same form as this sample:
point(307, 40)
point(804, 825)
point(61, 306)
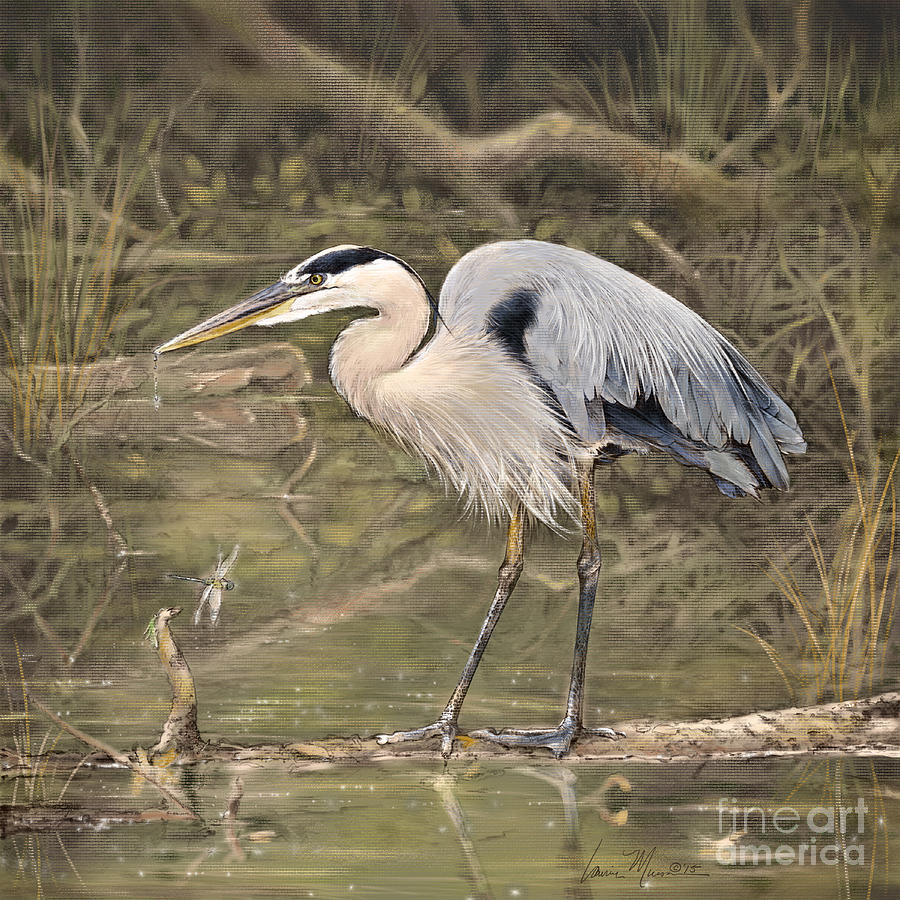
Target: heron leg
point(559, 739)
point(447, 724)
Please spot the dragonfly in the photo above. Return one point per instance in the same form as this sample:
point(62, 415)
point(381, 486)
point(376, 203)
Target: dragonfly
point(213, 587)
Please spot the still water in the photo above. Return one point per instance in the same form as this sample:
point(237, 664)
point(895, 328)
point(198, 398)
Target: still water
point(478, 830)
point(358, 589)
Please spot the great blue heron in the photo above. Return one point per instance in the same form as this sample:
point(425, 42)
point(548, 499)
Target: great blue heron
point(543, 361)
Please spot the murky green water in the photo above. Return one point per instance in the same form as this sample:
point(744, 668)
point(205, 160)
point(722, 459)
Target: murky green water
point(355, 603)
point(538, 830)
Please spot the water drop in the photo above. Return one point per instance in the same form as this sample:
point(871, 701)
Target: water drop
point(155, 380)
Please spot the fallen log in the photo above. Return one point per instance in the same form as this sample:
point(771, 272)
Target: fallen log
point(467, 165)
point(864, 727)
point(207, 399)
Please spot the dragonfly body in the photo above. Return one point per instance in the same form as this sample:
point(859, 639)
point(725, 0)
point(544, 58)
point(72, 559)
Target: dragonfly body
point(214, 587)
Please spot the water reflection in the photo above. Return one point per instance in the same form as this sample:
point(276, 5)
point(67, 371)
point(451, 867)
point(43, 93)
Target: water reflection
point(445, 785)
point(360, 591)
point(476, 830)
point(571, 857)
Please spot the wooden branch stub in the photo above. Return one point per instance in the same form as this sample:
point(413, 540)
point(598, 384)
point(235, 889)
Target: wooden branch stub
point(180, 733)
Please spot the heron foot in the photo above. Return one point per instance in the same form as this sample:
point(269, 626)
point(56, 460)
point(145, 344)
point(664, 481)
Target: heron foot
point(443, 727)
point(557, 740)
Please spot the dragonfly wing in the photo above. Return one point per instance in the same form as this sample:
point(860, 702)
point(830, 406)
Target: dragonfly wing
point(203, 598)
point(224, 567)
point(215, 604)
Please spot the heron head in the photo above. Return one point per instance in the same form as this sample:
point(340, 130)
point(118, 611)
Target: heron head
point(338, 278)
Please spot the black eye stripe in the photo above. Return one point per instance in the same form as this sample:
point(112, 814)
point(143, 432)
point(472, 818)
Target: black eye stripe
point(336, 261)
point(341, 260)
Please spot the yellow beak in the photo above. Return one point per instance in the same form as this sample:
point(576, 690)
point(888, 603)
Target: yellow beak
point(267, 302)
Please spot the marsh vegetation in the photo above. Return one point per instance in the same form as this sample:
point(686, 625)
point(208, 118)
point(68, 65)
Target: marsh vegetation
point(158, 162)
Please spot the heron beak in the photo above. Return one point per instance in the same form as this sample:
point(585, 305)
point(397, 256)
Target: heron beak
point(261, 305)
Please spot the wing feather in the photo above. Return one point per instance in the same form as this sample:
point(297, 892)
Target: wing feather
point(602, 332)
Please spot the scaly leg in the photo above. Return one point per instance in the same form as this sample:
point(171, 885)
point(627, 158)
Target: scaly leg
point(559, 739)
point(447, 724)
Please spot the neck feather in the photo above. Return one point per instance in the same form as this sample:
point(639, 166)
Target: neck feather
point(471, 412)
point(462, 404)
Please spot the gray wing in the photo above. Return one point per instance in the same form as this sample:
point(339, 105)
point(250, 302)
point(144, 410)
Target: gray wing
point(626, 361)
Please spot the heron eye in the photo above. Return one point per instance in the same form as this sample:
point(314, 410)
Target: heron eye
point(316, 279)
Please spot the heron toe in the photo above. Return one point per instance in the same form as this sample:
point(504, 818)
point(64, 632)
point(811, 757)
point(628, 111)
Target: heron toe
point(610, 733)
point(447, 731)
point(557, 740)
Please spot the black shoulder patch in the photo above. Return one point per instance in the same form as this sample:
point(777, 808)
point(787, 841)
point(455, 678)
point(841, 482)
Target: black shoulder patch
point(509, 319)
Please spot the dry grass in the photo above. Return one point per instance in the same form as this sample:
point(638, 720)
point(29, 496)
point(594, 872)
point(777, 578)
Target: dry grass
point(843, 625)
point(62, 239)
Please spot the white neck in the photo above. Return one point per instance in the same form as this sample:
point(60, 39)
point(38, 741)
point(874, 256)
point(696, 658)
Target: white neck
point(373, 347)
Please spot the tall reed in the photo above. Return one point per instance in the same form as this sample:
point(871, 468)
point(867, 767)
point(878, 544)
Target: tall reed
point(846, 618)
point(64, 229)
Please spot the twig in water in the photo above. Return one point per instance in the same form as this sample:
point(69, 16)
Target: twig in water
point(15, 580)
point(231, 813)
point(112, 753)
point(116, 538)
point(285, 511)
point(111, 587)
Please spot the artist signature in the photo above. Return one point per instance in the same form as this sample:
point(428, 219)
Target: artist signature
point(639, 861)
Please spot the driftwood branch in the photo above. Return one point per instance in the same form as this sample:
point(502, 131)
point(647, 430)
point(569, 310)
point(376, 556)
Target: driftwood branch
point(857, 727)
point(468, 165)
point(867, 727)
point(15, 819)
point(106, 754)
